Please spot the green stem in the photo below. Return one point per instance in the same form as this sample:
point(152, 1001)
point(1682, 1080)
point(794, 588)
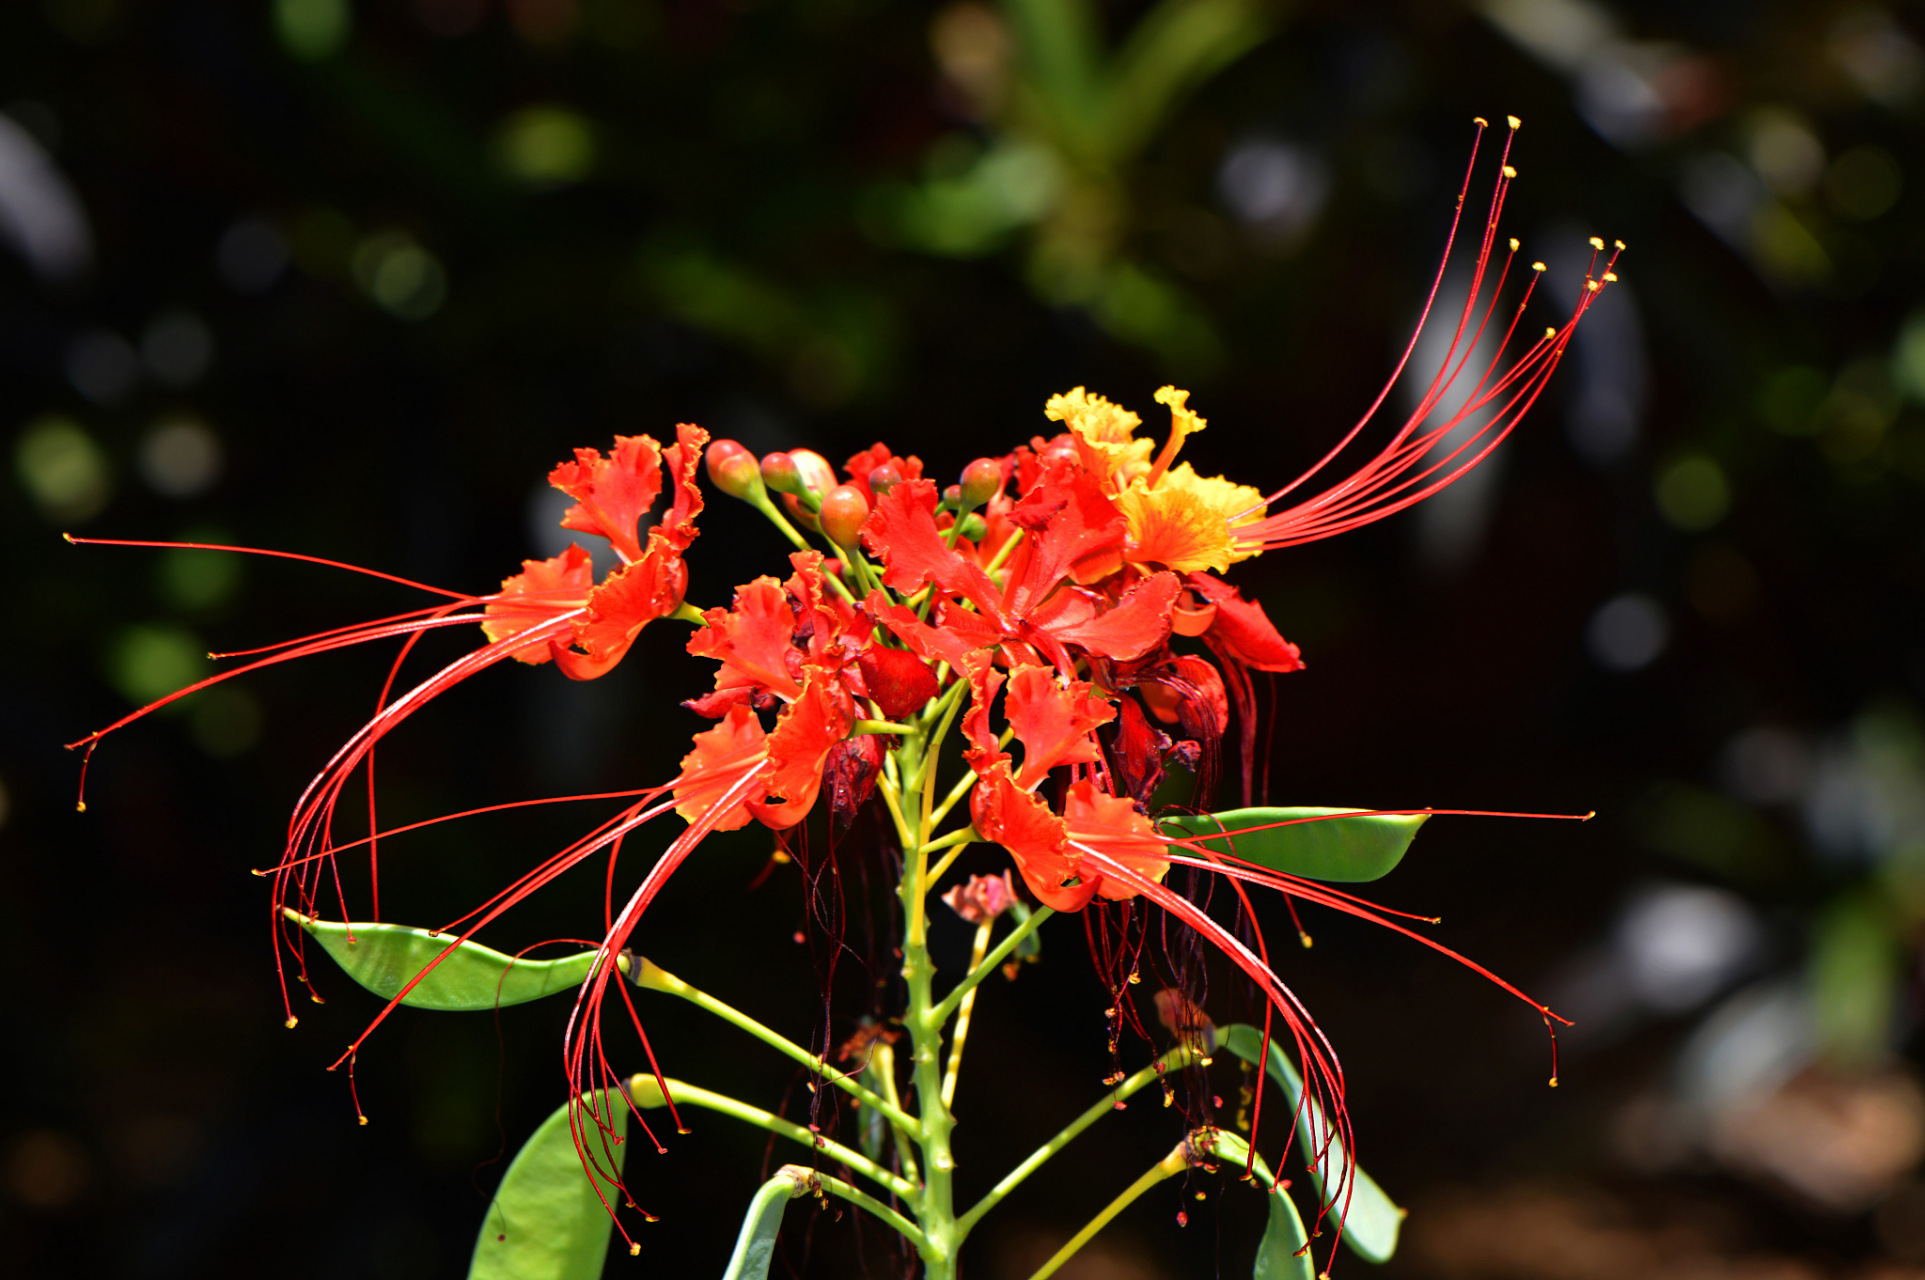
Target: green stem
point(882, 1069)
point(936, 1207)
point(837, 1187)
point(1168, 1167)
point(1003, 552)
point(648, 1095)
point(937, 872)
point(650, 976)
point(952, 1001)
point(761, 501)
point(1173, 1060)
point(963, 1011)
point(880, 726)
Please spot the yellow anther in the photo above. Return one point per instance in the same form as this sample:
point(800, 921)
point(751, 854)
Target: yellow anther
point(1514, 122)
point(1480, 122)
point(1549, 333)
point(1537, 266)
point(289, 1024)
point(1515, 246)
point(1597, 244)
point(1510, 171)
point(1611, 277)
point(364, 1119)
point(1592, 285)
point(1618, 243)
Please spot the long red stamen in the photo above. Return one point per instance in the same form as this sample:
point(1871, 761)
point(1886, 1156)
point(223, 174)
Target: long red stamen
point(1410, 467)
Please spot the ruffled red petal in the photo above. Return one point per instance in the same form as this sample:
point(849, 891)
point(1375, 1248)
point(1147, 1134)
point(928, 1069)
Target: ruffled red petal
point(543, 589)
point(1242, 630)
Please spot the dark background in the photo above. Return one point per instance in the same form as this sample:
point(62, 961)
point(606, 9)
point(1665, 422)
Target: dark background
point(346, 279)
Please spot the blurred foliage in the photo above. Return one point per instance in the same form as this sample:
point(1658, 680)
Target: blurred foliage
point(345, 277)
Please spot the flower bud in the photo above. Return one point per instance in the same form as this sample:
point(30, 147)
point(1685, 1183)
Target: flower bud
point(814, 478)
point(884, 478)
point(843, 511)
point(780, 473)
point(972, 527)
point(951, 498)
point(733, 469)
point(818, 477)
point(981, 480)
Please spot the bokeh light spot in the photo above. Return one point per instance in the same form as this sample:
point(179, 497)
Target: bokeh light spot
point(226, 721)
point(47, 1169)
point(546, 146)
point(102, 366)
point(1628, 632)
point(312, 29)
point(403, 278)
point(63, 470)
point(192, 580)
point(251, 256)
point(1693, 494)
point(1864, 183)
point(176, 348)
point(180, 457)
point(151, 661)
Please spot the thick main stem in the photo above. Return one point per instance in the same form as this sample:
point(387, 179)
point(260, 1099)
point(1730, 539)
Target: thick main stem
point(936, 1208)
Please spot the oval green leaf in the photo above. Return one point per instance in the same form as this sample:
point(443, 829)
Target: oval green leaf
point(384, 957)
point(548, 1221)
point(755, 1246)
point(1341, 848)
point(1283, 1253)
point(1371, 1219)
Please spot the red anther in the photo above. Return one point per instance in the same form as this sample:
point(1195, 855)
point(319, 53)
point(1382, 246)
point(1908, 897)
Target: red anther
point(843, 511)
point(780, 473)
point(981, 480)
point(733, 469)
point(899, 682)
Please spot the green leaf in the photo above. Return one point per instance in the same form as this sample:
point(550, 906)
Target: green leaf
point(1178, 46)
point(383, 957)
point(755, 1246)
point(1341, 848)
point(1371, 1219)
point(1283, 1253)
point(1060, 57)
point(547, 1221)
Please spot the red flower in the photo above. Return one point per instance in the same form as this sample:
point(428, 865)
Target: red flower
point(1069, 522)
point(611, 497)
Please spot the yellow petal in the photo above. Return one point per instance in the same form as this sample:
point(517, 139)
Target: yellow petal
point(1104, 435)
point(1188, 522)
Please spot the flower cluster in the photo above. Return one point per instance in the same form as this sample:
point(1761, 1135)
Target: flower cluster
point(1062, 602)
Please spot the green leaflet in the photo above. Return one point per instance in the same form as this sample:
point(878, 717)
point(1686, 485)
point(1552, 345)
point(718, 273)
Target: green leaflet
point(755, 1247)
point(383, 957)
point(1342, 849)
point(547, 1221)
point(1282, 1254)
point(1371, 1220)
